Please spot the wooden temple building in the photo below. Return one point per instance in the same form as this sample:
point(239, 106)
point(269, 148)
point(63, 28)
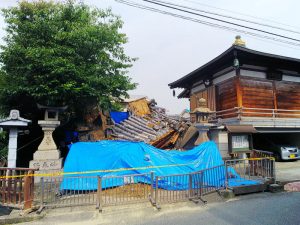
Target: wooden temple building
point(246, 91)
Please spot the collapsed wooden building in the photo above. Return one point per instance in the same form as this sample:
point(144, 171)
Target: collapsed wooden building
point(144, 121)
point(139, 120)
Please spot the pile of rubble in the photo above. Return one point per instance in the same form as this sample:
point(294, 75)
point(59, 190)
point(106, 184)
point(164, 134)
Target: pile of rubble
point(144, 121)
point(155, 127)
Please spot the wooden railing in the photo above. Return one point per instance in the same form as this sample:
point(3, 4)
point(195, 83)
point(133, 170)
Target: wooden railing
point(16, 187)
point(238, 112)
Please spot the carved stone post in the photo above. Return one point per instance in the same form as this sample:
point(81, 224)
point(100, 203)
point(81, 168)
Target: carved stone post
point(47, 157)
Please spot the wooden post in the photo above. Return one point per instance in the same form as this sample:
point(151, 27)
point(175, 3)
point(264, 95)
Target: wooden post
point(28, 190)
point(239, 95)
point(275, 98)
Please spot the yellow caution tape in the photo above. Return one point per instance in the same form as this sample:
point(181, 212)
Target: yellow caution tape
point(113, 170)
point(252, 159)
point(91, 171)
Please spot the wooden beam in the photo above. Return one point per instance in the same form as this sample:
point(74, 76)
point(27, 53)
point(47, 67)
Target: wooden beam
point(275, 95)
point(239, 94)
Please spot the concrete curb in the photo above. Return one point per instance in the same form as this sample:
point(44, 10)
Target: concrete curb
point(17, 218)
point(285, 182)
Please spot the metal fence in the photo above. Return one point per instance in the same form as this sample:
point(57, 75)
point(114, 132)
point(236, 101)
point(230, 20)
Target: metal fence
point(124, 189)
point(213, 179)
point(261, 154)
point(192, 186)
point(16, 187)
point(101, 191)
point(259, 169)
point(61, 191)
point(172, 188)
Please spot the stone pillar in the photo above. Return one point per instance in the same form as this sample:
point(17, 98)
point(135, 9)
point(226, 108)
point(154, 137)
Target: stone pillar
point(47, 158)
point(12, 147)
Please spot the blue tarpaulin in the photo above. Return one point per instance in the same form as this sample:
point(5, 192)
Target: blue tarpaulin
point(112, 155)
point(118, 117)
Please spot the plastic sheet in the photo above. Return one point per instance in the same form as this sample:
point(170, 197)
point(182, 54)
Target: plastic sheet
point(118, 117)
point(136, 157)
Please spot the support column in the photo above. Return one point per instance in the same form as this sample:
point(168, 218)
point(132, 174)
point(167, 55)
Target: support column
point(12, 148)
point(239, 95)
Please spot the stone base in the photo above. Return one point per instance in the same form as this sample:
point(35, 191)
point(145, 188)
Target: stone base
point(274, 188)
point(46, 154)
point(46, 164)
point(227, 194)
point(37, 179)
point(247, 189)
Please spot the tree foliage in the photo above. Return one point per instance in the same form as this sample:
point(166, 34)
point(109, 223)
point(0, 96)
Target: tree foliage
point(62, 54)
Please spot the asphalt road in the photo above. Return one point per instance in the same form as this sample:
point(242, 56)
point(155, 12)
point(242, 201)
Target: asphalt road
point(264, 209)
point(254, 209)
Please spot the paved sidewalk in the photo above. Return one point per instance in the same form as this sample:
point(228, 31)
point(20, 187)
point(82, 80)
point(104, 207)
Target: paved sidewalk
point(288, 171)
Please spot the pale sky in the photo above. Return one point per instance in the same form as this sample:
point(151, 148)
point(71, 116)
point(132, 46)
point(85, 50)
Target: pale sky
point(169, 48)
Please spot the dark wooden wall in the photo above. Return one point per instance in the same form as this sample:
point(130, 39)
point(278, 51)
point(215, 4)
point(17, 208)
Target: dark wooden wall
point(257, 93)
point(226, 95)
point(251, 92)
point(209, 94)
point(194, 99)
point(288, 95)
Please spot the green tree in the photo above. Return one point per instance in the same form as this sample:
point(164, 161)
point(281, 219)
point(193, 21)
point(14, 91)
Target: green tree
point(62, 54)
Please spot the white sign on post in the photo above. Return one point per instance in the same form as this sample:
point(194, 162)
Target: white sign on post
point(240, 142)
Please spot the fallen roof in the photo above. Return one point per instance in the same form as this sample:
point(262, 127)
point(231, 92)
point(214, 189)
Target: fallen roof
point(244, 55)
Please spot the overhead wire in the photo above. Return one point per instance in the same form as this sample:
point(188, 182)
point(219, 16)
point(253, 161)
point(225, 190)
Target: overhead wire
point(230, 17)
point(239, 13)
point(144, 7)
point(219, 20)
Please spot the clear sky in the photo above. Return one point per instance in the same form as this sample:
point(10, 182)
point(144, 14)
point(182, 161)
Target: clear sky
point(169, 48)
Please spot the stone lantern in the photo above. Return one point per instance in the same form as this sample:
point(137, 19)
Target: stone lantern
point(13, 123)
point(47, 157)
point(202, 112)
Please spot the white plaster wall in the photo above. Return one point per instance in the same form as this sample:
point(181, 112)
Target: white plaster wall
point(198, 88)
point(252, 73)
point(217, 80)
point(290, 78)
point(246, 66)
point(224, 77)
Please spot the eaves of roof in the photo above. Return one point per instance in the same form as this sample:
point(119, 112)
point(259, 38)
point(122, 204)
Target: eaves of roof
point(226, 59)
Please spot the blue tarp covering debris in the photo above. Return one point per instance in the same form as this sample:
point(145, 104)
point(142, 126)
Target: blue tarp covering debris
point(118, 117)
point(113, 155)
